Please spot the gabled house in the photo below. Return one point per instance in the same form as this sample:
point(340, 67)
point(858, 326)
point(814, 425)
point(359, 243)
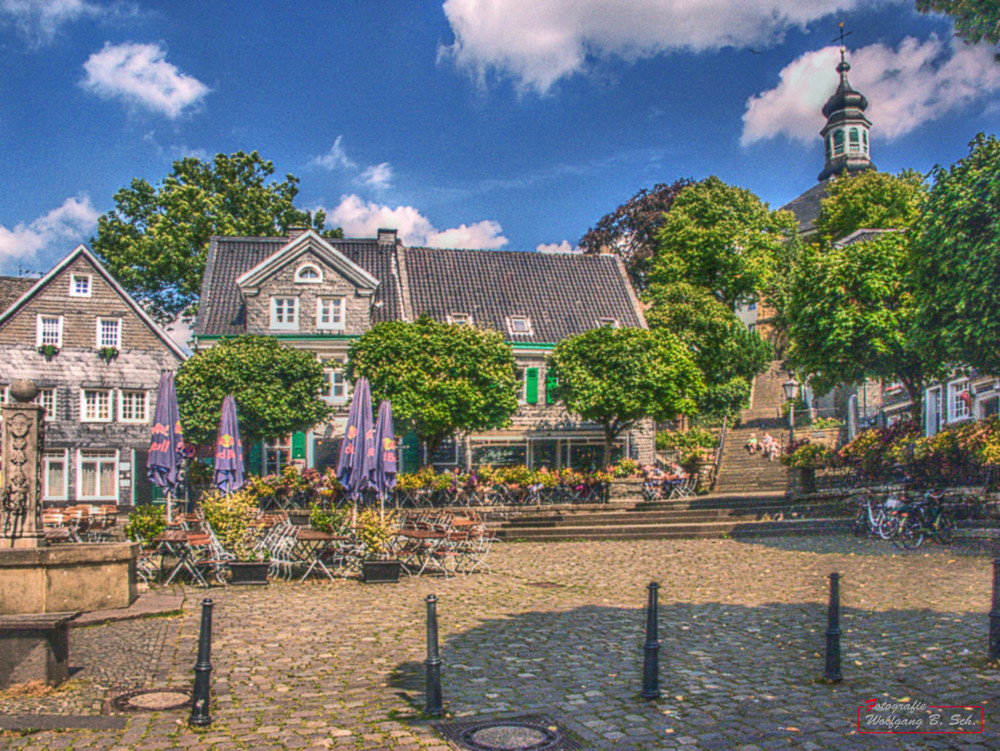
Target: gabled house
point(320, 294)
point(96, 357)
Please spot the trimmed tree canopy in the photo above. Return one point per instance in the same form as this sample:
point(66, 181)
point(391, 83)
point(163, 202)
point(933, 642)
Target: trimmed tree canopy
point(957, 260)
point(155, 240)
point(870, 200)
point(442, 379)
point(975, 20)
point(616, 377)
point(275, 387)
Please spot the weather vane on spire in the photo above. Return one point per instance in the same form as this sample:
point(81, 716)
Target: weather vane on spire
point(840, 38)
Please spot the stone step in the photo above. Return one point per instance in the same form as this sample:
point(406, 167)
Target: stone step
point(677, 531)
point(648, 517)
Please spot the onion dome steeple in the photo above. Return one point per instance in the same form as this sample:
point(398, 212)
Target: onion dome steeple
point(846, 132)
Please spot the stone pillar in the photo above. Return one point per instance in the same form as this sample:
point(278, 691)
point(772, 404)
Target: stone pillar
point(21, 504)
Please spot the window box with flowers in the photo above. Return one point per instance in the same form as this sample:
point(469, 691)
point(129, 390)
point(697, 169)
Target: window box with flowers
point(48, 351)
point(107, 353)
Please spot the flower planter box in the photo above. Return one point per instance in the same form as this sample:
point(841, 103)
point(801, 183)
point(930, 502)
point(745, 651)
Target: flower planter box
point(375, 572)
point(249, 572)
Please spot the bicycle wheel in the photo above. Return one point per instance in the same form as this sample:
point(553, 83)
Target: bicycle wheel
point(910, 534)
point(946, 529)
point(888, 527)
point(860, 524)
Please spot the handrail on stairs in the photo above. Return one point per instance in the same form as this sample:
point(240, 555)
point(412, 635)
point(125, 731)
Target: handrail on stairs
point(718, 453)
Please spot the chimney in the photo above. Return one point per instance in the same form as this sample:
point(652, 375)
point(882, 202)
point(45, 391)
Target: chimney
point(294, 232)
point(387, 237)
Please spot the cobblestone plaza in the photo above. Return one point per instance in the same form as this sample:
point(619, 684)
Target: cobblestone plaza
point(557, 630)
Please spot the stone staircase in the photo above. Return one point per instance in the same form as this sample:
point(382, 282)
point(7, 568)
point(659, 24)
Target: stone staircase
point(703, 517)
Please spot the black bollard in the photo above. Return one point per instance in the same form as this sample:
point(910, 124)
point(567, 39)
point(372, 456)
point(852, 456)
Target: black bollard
point(995, 613)
point(832, 672)
point(433, 705)
point(651, 659)
point(203, 670)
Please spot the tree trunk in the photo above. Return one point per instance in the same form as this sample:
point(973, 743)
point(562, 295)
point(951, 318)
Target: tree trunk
point(915, 390)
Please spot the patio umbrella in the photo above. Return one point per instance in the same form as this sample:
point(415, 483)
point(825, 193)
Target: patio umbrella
point(357, 453)
point(163, 464)
point(229, 450)
point(385, 454)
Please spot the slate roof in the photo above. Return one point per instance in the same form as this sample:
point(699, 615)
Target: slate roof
point(562, 294)
point(862, 236)
point(806, 207)
point(12, 287)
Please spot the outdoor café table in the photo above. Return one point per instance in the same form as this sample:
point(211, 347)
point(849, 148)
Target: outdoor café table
point(59, 534)
point(418, 546)
point(175, 542)
point(310, 546)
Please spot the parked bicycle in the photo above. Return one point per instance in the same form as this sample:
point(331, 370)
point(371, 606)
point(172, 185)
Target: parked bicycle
point(927, 517)
point(878, 519)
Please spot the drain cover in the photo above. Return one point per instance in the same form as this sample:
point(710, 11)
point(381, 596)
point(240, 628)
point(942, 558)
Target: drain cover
point(532, 733)
point(153, 700)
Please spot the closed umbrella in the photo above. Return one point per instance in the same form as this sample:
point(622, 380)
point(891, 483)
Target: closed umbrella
point(229, 450)
point(385, 454)
point(357, 453)
point(164, 461)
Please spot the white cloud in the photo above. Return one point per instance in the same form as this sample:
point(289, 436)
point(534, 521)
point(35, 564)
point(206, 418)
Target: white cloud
point(138, 74)
point(377, 176)
point(40, 20)
point(61, 230)
point(563, 247)
point(538, 43)
point(336, 158)
point(916, 83)
point(359, 218)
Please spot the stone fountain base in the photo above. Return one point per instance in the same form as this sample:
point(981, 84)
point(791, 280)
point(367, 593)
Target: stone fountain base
point(60, 578)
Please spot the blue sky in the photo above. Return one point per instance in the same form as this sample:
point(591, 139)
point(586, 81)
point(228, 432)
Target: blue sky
point(505, 124)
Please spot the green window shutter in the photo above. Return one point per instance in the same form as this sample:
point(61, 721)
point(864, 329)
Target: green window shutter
point(254, 460)
point(299, 445)
point(531, 385)
point(410, 454)
point(550, 388)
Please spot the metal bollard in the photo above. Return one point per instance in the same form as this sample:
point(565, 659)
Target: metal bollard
point(832, 672)
point(203, 670)
point(995, 613)
point(433, 705)
point(651, 659)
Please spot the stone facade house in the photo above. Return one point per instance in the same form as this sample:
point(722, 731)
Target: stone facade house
point(320, 294)
point(54, 331)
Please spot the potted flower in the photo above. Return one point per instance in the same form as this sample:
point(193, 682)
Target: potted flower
point(233, 518)
point(375, 533)
point(107, 353)
point(48, 351)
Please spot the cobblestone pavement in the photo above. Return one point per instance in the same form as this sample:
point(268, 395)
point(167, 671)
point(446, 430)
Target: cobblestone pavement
point(557, 630)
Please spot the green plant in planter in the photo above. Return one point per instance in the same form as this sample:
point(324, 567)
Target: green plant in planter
point(233, 517)
point(145, 523)
point(626, 468)
point(48, 351)
point(375, 533)
point(808, 456)
point(107, 353)
point(519, 475)
point(333, 521)
point(409, 481)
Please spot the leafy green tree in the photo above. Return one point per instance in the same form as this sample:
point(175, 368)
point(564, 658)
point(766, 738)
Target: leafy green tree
point(852, 317)
point(957, 283)
point(616, 377)
point(276, 389)
point(728, 354)
point(975, 20)
point(630, 230)
point(870, 200)
point(442, 379)
point(721, 238)
point(155, 240)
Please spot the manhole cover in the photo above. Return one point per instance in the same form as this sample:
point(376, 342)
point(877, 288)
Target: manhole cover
point(153, 700)
point(533, 733)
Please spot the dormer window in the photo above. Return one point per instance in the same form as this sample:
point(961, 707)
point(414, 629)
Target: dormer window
point(285, 313)
point(308, 273)
point(519, 325)
point(611, 323)
point(79, 285)
point(460, 319)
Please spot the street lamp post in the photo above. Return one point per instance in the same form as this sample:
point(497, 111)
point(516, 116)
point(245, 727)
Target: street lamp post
point(791, 388)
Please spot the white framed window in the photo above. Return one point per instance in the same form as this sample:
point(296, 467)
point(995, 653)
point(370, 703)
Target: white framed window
point(95, 405)
point(47, 399)
point(109, 333)
point(609, 322)
point(4, 394)
point(277, 454)
point(959, 400)
point(49, 330)
point(133, 406)
point(79, 285)
point(308, 273)
point(335, 389)
point(285, 313)
point(97, 475)
point(460, 319)
point(54, 475)
point(519, 325)
point(330, 313)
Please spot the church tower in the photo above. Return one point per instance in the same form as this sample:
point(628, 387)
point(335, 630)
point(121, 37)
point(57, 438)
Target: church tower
point(845, 134)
